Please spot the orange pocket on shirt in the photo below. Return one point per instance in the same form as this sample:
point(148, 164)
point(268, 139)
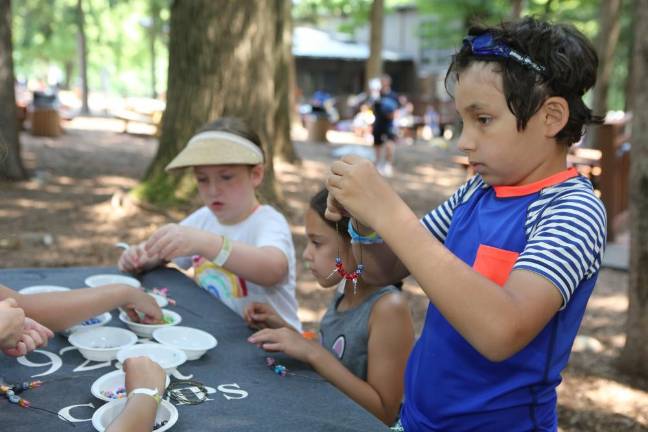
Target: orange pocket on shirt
point(494, 263)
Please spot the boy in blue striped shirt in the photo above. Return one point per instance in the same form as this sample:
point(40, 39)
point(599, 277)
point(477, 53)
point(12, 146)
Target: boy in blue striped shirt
point(510, 260)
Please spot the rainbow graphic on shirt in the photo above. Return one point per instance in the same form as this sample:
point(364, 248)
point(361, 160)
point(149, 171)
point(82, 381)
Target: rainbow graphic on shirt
point(218, 281)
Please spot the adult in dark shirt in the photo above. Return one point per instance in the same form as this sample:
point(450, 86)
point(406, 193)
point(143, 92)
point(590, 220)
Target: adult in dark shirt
point(384, 106)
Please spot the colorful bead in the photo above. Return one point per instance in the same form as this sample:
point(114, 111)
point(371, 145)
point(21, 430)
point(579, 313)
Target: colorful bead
point(280, 370)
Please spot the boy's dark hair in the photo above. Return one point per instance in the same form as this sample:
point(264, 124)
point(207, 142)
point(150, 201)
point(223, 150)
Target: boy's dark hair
point(318, 204)
point(235, 126)
point(570, 63)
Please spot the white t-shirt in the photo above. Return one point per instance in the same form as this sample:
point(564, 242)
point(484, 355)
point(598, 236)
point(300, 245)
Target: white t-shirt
point(264, 227)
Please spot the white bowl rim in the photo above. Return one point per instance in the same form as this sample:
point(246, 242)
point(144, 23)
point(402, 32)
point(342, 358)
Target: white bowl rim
point(56, 288)
point(165, 301)
point(123, 317)
point(213, 342)
point(94, 388)
point(124, 278)
point(73, 338)
point(181, 354)
point(173, 418)
point(104, 318)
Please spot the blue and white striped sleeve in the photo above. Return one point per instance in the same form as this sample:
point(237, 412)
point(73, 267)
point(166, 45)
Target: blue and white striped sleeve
point(567, 242)
point(438, 220)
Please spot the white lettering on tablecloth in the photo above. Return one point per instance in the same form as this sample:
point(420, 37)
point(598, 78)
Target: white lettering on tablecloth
point(54, 362)
point(87, 365)
point(225, 389)
point(65, 413)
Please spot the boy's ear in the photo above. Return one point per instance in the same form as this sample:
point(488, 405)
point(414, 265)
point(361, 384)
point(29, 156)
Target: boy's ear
point(556, 114)
point(256, 173)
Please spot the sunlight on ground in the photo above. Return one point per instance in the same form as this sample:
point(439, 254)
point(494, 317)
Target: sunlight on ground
point(603, 395)
point(109, 124)
point(611, 303)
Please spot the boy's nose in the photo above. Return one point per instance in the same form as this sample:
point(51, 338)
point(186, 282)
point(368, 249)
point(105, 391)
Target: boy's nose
point(465, 142)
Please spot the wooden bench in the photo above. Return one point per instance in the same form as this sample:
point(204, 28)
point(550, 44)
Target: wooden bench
point(129, 115)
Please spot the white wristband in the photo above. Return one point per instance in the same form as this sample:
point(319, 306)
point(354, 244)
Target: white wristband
point(224, 253)
point(147, 391)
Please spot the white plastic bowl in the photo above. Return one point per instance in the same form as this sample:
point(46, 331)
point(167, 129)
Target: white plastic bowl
point(35, 289)
point(192, 341)
point(106, 279)
point(166, 356)
point(110, 381)
point(102, 343)
point(98, 321)
point(146, 330)
point(106, 414)
point(159, 299)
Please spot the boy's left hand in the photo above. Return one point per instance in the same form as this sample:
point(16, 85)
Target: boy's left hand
point(173, 240)
point(283, 340)
point(357, 187)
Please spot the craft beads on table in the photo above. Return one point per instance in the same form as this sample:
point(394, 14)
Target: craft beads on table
point(118, 393)
point(91, 321)
point(159, 425)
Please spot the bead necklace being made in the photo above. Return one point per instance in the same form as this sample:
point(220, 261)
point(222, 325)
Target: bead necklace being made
point(11, 392)
point(339, 266)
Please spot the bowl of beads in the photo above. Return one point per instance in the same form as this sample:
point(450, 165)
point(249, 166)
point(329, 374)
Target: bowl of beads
point(36, 289)
point(107, 279)
point(166, 356)
point(169, 318)
point(165, 418)
point(102, 343)
point(112, 386)
point(192, 341)
point(98, 321)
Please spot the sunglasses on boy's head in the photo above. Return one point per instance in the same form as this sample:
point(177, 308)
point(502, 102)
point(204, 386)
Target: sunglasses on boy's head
point(485, 45)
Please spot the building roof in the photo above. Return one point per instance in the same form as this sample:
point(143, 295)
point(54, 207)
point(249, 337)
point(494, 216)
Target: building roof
point(311, 42)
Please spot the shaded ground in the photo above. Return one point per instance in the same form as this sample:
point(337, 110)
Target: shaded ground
point(72, 212)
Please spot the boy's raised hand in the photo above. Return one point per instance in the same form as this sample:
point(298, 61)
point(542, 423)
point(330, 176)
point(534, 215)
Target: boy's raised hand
point(283, 340)
point(262, 315)
point(356, 187)
point(173, 240)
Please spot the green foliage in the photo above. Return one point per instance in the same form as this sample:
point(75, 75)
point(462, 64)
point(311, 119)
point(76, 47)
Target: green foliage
point(166, 191)
point(117, 34)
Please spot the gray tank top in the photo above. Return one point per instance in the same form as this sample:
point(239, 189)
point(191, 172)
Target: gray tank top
point(346, 334)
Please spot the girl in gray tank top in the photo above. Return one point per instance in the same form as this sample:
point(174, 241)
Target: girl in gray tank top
point(366, 334)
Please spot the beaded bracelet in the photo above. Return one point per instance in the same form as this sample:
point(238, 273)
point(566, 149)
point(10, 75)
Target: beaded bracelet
point(224, 253)
point(357, 238)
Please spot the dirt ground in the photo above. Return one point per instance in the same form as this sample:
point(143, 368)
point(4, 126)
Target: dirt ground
point(73, 211)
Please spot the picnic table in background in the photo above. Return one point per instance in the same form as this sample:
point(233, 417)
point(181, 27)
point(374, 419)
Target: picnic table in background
point(244, 394)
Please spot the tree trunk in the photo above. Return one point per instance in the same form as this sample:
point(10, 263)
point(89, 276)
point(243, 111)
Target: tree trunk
point(83, 57)
point(153, 31)
point(374, 62)
point(11, 166)
point(284, 82)
point(516, 9)
point(609, 28)
point(629, 87)
point(634, 358)
point(221, 63)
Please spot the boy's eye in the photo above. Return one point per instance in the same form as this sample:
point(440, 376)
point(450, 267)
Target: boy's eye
point(201, 179)
point(484, 120)
point(227, 177)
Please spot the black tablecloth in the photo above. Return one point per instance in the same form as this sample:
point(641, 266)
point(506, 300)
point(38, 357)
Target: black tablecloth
point(235, 368)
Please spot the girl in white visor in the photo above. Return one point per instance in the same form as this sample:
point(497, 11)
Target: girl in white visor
point(241, 251)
